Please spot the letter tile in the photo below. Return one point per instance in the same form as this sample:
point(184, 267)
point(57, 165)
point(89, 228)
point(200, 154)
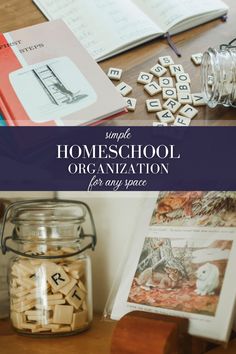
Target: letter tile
point(114, 74)
point(17, 319)
point(210, 80)
point(153, 88)
point(181, 121)
point(156, 124)
point(197, 58)
point(80, 319)
point(55, 302)
point(176, 69)
point(56, 276)
point(153, 105)
point(172, 105)
point(158, 70)
point(75, 297)
point(183, 77)
point(166, 61)
point(188, 111)
point(165, 116)
point(124, 89)
point(185, 87)
point(145, 78)
point(166, 81)
point(131, 104)
point(168, 92)
point(185, 98)
point(198, 99)
point(30, 326)
point(67, 288)
point(63, 314)
point(61, 329)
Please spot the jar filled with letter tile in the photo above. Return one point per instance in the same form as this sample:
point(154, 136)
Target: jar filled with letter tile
point(50, 276)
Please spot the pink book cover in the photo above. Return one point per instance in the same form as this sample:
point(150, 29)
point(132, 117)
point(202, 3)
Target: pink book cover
point(48, 78)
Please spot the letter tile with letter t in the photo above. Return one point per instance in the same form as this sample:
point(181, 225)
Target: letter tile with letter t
point(76, 297)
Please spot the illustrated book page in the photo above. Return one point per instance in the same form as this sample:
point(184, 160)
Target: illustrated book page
point(182, 263)
point(65, 85)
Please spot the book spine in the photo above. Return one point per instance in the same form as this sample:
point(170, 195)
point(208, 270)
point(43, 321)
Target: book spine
point(2, 121)
point(5, 113)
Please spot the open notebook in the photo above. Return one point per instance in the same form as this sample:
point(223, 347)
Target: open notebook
point(106, 28)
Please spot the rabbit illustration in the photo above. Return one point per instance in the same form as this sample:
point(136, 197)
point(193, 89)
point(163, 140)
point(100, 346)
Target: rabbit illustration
point(207, 279)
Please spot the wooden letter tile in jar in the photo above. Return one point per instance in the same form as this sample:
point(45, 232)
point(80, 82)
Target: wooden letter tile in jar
point(50, 276)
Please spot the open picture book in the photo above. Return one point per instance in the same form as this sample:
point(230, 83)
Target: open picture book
point(106, 28)
point(181, 262)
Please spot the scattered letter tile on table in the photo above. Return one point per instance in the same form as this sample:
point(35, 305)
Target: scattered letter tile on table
point(181, 121)
point(153, 88)
point(131, 103)
point(176, 69)
point(114, 74)
point(185, 87)
point(188, 111)
point(153, 105)
point(145, 78)
point(165, 116)
point(197, 58)
point(184, 98)
point(124, 89)
point(198, 99)
point(183, 77)
point(166, 61)
point(172, 105)
point(169, 92)
point(158, 70)
point(166, 81)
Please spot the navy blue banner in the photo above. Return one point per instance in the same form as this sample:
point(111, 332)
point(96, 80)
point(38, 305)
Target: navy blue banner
point(120, 159)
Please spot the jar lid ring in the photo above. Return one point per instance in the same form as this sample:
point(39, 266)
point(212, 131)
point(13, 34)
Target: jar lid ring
point(5, 248)
point(230, 45)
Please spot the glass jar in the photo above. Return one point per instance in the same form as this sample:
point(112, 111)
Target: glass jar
point(50, 281)
point(4, 261)
point(218, 76)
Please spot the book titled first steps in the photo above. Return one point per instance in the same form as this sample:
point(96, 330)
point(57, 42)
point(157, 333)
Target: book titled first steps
point(48, 78)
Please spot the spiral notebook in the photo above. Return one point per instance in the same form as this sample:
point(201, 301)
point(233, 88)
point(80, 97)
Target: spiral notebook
point(106, 28)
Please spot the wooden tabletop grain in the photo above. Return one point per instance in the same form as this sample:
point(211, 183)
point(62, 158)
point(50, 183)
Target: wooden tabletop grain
point(15, 14)
point(94, 341)
point(97, 340)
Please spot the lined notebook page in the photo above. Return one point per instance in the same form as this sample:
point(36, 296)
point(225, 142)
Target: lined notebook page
point(102, 26)
point(168, 13)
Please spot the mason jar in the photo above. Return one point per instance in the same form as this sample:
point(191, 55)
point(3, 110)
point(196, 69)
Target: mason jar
point(4, 261)
point(218, 76)
point(50, 280)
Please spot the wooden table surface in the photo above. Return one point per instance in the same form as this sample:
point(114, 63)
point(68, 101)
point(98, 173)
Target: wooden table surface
point(15, 14)
point(94, 341)
point(97, 340)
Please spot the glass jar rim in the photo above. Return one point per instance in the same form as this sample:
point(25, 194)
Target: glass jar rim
point(49, 211)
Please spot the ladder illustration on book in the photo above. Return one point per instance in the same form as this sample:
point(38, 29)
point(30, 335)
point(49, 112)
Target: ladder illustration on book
point(54, 87)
